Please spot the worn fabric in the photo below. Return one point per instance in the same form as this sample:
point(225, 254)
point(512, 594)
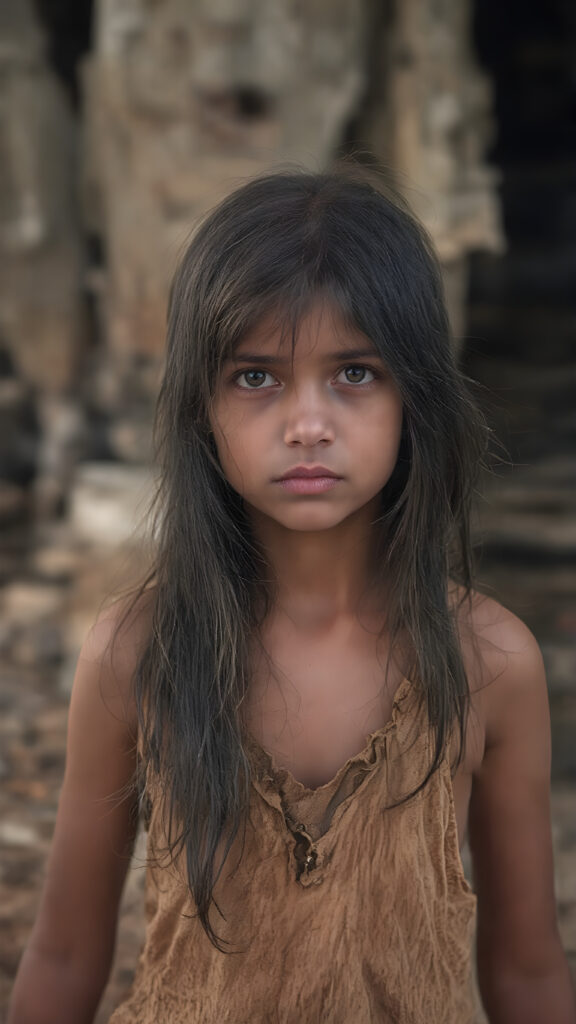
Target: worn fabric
point(340, 908)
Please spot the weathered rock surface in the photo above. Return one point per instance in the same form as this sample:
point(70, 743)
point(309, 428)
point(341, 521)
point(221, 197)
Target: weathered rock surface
point(42, 315)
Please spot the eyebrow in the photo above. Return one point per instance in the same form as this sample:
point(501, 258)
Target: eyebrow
point(341, 355)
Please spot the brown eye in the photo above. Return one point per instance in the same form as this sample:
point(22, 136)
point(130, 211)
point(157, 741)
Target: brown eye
point(254, 379)
point(357, 375)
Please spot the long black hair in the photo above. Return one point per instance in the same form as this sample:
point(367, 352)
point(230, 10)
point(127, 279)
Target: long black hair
point(275, 245)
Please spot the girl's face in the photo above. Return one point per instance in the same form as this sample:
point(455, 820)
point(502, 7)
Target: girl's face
point(307, 436)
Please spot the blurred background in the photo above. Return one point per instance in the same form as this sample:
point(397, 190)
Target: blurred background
point(122, 121)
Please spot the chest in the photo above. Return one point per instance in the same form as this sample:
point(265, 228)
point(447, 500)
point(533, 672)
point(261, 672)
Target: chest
point(312, 703)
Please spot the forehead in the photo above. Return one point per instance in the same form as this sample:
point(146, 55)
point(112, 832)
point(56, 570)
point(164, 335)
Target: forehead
point(321, 329)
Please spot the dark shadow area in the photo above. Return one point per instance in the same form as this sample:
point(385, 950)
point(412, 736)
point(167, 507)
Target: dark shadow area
point(521, 337)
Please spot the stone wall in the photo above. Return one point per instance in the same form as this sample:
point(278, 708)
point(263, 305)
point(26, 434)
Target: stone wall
point(185, 100)
point(42, 311)
point(180, 101)
point(428, 117)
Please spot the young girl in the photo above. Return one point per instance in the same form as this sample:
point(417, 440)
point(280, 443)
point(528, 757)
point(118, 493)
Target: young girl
point(306, 695)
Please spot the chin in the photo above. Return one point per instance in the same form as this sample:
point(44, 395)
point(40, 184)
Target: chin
point(307, 523)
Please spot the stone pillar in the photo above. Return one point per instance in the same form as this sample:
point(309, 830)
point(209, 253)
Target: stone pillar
point(41, 305)
point(428, 118)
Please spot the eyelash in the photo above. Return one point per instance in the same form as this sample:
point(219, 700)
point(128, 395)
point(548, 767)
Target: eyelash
point(349, 366)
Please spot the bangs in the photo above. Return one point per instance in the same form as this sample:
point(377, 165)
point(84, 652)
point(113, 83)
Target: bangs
point(283, 242)
point(283, 310)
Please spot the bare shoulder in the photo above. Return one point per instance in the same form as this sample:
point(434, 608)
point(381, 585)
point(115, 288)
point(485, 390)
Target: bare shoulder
point(497, 627)
point(120, 632)
point(112, 650)
point(97, 812)
point(503, 660)
point(103, 715)
point(509, 813)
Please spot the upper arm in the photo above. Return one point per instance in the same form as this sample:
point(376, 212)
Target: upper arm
point(97, 814)
point(510, 835)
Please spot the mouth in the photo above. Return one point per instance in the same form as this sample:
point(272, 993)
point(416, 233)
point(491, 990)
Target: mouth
point(308, 480)
point(309, 473)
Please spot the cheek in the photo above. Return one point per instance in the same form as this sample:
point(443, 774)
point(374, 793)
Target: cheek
point(221, 432)
point(224, 428)
point(225, 447)
point(385, 431)
point(397, 431)
point(236, 450)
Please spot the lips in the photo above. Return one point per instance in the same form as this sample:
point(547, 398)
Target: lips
point(308, 473)
point(308, 480)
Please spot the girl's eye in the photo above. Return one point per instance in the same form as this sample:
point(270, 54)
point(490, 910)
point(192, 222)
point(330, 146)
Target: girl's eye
point(255, 379)
point(357, 375)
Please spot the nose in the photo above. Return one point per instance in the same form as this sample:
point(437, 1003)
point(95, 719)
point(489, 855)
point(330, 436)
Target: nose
point(308, 419)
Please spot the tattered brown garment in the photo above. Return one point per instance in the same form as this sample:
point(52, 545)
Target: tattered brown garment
point(340, 908)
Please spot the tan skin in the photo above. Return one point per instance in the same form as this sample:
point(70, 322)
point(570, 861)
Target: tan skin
point(316, 693)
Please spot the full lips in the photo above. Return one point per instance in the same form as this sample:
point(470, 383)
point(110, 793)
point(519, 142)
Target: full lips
point(309, 484)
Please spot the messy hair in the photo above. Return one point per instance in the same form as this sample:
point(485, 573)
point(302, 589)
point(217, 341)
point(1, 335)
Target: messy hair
point(274, 246)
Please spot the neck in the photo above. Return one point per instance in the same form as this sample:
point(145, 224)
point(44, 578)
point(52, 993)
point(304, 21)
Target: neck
point(321, 576)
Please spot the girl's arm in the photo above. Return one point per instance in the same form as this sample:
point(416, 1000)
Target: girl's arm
point(522, 971)
point(67, 961)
